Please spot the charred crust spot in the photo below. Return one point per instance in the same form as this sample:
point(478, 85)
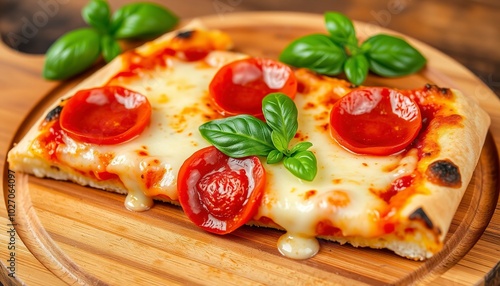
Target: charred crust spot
point(431, 87)
point(419, 214)
point(444, 90)
point(444, 173)
point(185, 34)
point(53, 114)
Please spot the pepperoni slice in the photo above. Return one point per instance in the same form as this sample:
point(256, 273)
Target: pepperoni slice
point(219, 193)
point(375, 121)
point(105, 115)
point(240, 86)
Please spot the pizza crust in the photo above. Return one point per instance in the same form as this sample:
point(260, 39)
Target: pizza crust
point(462, 145)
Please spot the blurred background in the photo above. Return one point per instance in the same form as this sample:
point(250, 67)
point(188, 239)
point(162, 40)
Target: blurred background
point(466, 30)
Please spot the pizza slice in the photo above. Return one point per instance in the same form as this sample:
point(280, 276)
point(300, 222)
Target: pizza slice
point(134, 128)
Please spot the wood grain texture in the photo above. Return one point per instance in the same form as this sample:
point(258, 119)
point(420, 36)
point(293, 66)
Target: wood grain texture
point(85, 236)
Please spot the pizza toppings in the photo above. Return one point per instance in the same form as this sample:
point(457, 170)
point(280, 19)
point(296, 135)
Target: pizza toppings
point(219, 193)
point(245, 135)
point(375, 121)
point(224, 186)
point(194, 45)
point(135, 64)
point(106, 115)
point(240, 86)
point(444, 173)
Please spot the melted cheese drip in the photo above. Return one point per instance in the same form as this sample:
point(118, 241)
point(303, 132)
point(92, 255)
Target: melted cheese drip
point(179, 96)
point(297, 246)
point(340, 192)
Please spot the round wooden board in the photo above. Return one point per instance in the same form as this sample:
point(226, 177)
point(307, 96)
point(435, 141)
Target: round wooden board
point(86, 236)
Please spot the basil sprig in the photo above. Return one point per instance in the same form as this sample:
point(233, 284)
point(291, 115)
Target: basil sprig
point(245, 135)
point(77, 50)
point(339, 51)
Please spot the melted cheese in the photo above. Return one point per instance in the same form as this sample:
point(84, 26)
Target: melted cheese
point(340, 192)
point(148, 165)
point(179, 97)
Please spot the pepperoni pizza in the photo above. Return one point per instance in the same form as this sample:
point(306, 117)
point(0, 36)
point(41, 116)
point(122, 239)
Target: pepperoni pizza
point(392, 165)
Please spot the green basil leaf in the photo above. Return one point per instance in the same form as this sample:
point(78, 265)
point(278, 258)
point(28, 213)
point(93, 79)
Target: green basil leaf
point(316, 52)
point(392, 56)
point(72, 53)
point(279, 141)
point(356, 69)
point(239, 136)
point(142, 20)
point(302, 164)
point(110, 48)
point(340, 28)
point(274, 157)
point(280, 113)
point(97, 14)
point(301, 146)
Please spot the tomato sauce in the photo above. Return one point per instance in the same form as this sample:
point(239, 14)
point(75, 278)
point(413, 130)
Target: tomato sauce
point(436, 110)
point(396, 186)
point(50, 139)
point(135, 63)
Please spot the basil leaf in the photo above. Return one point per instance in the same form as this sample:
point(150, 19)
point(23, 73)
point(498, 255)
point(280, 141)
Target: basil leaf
point(280, 113)
point(340, 28)
point(356, 69)
point(392, 56)
point(303, 165)
point(274, 157)
point(279, 142)
point(316, 52)
point(110, 48)
point(72, 53)
point(141, 20)
point(302, 146)
point(239, 136)
point(97, 14)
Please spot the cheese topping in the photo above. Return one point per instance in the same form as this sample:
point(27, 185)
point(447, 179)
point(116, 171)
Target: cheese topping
point(178, 94)
point(148, 165)
point(300, 206)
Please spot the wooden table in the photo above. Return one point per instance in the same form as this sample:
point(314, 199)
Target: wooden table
point(22, 86)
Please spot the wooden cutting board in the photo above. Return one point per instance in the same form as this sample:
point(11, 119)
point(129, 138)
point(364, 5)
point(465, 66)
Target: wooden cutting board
point(86, 236)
